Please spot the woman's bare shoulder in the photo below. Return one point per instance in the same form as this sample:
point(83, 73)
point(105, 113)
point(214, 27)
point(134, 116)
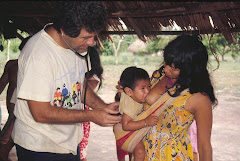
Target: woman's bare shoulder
point(197, 101)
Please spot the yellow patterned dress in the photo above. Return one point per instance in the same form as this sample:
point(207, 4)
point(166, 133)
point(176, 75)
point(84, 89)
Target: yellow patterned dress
point(169, 139)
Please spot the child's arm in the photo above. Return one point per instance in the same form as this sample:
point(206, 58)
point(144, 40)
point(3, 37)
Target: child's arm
point(130, 125)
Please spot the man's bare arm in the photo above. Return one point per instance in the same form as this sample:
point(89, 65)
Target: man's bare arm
point(45, 113)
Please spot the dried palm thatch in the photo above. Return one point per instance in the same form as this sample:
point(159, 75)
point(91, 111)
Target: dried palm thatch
point(144, 18)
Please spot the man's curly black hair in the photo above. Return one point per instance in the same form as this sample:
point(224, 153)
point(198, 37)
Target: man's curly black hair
point(72, 16)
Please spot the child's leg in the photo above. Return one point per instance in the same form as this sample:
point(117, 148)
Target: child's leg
point(120, 153)
point(139, 152)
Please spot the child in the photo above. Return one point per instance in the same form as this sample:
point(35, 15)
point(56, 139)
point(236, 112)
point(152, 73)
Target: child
point(135, 82)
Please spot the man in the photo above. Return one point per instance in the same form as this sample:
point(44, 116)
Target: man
point(9, 77)
point(49, 61)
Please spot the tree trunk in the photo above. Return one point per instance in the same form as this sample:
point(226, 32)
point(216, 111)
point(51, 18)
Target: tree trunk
point(116, 59)
point(116, 50)
point(223, 54)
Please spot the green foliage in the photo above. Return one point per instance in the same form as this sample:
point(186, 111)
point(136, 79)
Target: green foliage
point(158, 44)
point(221, 46)
point(127, 58)
point(235, 48)
point(155, 45)
point(128, 40)
point(142, 53)
point(15, 43)
point(108, 48)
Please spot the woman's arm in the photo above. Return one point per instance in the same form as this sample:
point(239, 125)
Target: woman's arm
point(130, 125)
point(201, 106)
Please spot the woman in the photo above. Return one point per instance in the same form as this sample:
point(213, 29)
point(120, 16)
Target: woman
point(185, 67)
point(95, 82)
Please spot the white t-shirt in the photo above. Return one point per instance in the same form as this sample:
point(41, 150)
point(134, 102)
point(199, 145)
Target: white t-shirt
point(48, 73)
point(14, 96)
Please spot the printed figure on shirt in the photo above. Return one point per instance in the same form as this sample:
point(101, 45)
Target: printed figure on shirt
point(64, 94)
point(57, 97)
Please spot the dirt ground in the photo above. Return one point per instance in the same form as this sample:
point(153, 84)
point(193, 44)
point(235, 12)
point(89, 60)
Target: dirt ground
point(225, 132)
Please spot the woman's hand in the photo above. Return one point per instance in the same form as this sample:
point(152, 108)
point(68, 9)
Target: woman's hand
point(119, 87)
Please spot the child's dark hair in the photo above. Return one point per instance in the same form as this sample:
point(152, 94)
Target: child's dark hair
point(131, 75)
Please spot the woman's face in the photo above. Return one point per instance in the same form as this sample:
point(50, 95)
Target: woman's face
point(171, 71)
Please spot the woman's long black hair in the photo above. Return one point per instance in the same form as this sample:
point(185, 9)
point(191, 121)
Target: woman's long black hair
point(96, 66)
point(189, 55)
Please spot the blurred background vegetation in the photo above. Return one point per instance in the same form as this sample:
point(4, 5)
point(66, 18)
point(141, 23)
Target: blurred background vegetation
point(128, 50)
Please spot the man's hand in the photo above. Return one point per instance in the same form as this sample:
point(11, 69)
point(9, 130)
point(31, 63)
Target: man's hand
point(103, 116)
point(114, 107)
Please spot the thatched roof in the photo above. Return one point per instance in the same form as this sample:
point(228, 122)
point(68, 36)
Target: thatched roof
point(144, 18)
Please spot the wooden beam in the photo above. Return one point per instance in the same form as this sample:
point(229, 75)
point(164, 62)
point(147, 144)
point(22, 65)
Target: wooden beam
point(165, 32)
point(188, 8)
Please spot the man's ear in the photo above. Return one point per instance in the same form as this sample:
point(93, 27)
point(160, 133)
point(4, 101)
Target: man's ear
point(61, 31)
point(128, 91)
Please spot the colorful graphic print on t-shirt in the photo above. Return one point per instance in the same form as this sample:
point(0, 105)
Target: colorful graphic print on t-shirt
point(64, 97)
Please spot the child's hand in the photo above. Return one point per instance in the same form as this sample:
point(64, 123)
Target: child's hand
point(152, 120)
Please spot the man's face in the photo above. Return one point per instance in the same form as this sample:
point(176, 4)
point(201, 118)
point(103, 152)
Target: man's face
point(81, 42)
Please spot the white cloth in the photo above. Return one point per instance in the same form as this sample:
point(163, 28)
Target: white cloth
point(46, 73)
point(14, 96)
point(130, 107)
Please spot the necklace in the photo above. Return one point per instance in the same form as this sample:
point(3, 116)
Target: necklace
point(170, 82)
